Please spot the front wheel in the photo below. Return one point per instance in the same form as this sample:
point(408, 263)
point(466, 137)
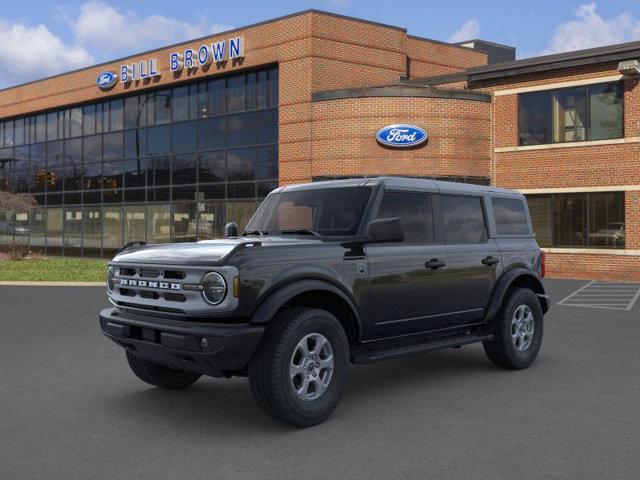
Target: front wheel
point(517, 330)
point(298, 372)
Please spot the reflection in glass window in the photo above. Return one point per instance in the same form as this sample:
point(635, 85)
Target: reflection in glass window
point(235, 93)
point(211, 133)
point(580, 220)
point(267, 165)
point(241, 213)
point(184, 222)
point(54, 230)
point(184, 169)
point(135, 172)
point(112, 146)
point(92, 230)
point(92, 149)
point(112, 174)
point(75, 122)
point(73, 229)
point(134, 223)
point(41, 129)
point(112, 234)
point(162, 107)
point(510, 216)
point(576, 114)
point(463, 219)
point(415, 211)
point(37, 227)
point(241, 129)
point(116, 118)
point(268, 126)
point(241, 164)
point(211, 221)
point(215, 97)
point(89, 120)
point(184, 137)
point(159, 140)
point(541, 211)
point(130, 115)
point(180, 103)
point(158, 223)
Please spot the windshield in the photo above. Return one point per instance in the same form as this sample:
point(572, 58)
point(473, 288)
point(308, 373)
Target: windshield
point(334, 212)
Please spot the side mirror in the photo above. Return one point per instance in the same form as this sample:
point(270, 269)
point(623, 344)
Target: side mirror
point(386, 230)
point(231, 230)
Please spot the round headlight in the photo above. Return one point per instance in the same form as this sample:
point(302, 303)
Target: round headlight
point(214, 288)
point(111, 271)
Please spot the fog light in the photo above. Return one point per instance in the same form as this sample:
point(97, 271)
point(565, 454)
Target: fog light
point(214, 288)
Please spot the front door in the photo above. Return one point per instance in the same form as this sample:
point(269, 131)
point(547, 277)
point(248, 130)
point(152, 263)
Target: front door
point(409, 282)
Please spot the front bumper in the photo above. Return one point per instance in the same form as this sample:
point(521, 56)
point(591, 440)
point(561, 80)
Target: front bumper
point(207, 348)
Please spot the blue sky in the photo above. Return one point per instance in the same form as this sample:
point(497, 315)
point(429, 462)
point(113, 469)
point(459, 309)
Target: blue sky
point(43, 37)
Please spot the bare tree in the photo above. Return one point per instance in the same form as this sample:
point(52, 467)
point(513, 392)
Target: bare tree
point(16, 202)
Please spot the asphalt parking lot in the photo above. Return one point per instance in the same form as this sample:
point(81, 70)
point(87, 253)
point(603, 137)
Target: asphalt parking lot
point(71, 409)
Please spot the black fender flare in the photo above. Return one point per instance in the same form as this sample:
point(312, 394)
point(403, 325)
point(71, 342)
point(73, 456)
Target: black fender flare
point(277, 298)
point(502, 287)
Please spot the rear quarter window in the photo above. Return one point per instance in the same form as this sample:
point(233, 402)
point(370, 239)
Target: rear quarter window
point(510, 215)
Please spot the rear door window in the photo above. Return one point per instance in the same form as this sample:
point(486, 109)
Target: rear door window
point(510, 215)
point(415, 211)
point(463, 219)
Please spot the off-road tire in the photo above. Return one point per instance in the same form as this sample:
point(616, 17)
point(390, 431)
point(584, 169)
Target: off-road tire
point(159, 375)
point(501, 350)
point(269, 374)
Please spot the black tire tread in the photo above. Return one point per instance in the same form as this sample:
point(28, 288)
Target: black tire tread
point(264, 373)
point(159, 375)
point(499, 350)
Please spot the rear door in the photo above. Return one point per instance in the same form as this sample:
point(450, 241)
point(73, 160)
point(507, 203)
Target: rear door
point(409, 283)
point(473, 258)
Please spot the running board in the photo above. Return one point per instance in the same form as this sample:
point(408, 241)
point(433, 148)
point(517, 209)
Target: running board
point(367, 356)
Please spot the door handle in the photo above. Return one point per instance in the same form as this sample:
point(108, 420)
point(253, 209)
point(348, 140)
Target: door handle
point(435, 264)
point(488, 261)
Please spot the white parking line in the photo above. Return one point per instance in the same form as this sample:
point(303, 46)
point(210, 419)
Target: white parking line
point(612, 296)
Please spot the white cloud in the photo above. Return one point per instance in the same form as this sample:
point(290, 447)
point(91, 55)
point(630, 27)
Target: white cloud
point(28, 52)
point(98, 32)
point(104, 29)
point(469, 31)
point(591, 30)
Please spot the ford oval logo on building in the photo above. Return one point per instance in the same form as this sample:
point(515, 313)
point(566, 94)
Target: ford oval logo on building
point(401, 136)
point(106, 80)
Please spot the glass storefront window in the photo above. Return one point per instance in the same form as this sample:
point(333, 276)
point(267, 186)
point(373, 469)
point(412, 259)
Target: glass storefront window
point(72, 230)
point(54, 231)
point(158, 223)
point(92, 231)
point(134, 223)
point(37, 227)
point(593, 112)
point(211, 220)
point(184, 222)
point(129, 168)
point(240, 212)
point(112, 228)
point(579, 220)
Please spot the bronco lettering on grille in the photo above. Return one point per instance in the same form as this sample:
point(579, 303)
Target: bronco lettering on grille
point(128, 282)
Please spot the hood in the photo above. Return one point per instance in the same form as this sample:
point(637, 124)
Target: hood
point(205, 252)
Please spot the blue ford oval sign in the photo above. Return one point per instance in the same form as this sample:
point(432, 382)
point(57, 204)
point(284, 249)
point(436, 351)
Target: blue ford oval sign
point(401, 136)
point(106, 80)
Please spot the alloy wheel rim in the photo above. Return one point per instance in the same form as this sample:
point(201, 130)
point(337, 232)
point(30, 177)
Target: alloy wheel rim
point(311, 367)
point(522, 328)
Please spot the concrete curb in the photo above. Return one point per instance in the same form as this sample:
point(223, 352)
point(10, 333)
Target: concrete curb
point(54, 284)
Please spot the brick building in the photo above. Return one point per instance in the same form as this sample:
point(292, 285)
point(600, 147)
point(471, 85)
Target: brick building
point(169, 144)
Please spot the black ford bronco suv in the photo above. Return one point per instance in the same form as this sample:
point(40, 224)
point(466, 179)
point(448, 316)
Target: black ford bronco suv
point(329, 273)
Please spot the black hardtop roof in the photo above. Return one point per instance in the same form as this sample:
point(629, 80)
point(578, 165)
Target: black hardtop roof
point(424, 184)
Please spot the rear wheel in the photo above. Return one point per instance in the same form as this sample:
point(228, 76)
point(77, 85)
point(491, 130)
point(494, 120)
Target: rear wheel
point(517, 330)
point(298, 372)
point(159, 375)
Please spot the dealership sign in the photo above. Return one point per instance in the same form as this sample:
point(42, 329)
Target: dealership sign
point(401, 136)
point(189, 59)
point(106, 80)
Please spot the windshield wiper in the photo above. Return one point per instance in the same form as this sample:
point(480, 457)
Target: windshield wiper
point(255, 232)
point(300, 231)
